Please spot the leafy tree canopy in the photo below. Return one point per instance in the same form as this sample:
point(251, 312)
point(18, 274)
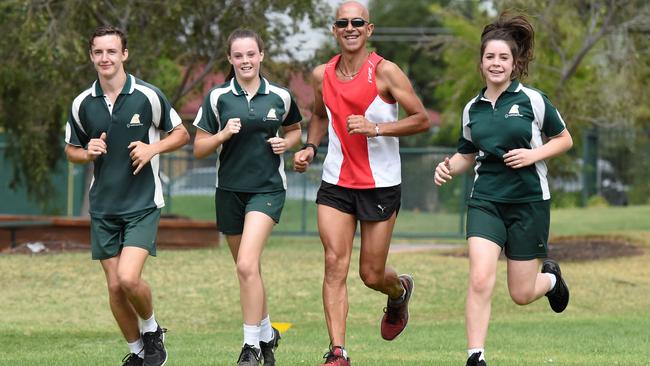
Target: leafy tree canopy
point(589, 59)
point(45, 60)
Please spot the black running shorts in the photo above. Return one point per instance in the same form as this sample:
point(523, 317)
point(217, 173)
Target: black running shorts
point(373, 204)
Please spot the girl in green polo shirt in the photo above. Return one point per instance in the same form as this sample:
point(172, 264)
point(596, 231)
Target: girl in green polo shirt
point(508, 130)
point(240, 119)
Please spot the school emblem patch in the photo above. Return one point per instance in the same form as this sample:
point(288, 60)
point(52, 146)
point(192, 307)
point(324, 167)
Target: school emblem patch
point(514, 111)
point(135, 121)
point(271, 116)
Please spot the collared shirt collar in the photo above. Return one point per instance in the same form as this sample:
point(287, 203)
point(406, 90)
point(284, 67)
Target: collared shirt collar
point(238, 90)
point(514, 87)
point(128, 88)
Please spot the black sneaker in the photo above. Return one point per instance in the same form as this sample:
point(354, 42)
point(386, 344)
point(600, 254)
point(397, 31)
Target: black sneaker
point(154, 347)
point(249, 356)
point(558, 297)
point(473, 360)
point(132, 360)
point(268, 348)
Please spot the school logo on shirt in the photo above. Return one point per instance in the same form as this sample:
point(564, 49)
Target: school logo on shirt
point(135, 121)
point(271, 116)
point(514, 111)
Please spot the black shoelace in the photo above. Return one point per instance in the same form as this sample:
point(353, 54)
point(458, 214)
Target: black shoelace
point(129, 358)
point(393, 313)
point(330, 356)
point(248, 353)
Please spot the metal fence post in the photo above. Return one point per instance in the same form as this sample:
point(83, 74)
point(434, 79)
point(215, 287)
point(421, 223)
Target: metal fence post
point(589, 165)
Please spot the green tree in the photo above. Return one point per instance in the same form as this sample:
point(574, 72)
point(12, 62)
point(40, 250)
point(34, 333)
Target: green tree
point(585, 60)
point(410, 34)
point(45, 60)
point(591, 60)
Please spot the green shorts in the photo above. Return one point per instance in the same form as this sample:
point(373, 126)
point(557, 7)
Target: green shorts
point(519, 228)
point(232, 207)
point(110, 234)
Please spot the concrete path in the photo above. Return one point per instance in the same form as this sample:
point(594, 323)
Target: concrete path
point(406, 247)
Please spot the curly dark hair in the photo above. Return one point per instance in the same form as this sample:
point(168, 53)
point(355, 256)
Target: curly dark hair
point(518, 33)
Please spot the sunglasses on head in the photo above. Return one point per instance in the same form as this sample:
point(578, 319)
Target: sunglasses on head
point(356, 22)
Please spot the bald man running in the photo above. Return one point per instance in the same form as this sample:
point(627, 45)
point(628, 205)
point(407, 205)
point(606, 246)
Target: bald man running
point(356, 102)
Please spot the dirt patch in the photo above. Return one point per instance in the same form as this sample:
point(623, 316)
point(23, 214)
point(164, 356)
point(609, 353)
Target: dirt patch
point(44, 247)
point(564, 249)
point(582, 248)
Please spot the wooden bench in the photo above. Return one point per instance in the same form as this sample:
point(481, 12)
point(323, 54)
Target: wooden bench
point(16, 225)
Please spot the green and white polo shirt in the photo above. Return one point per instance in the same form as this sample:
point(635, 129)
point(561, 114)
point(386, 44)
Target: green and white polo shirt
point(521, 118)
point(140, 112)
point(246, 161)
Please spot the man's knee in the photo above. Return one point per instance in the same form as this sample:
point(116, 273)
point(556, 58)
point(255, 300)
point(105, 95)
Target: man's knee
point(128, 281)
point(114, 288)
point(335, 261)
point(372, 279)
point(336, 268)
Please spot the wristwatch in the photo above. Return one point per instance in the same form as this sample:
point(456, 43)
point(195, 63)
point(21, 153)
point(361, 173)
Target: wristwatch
point(312, 146)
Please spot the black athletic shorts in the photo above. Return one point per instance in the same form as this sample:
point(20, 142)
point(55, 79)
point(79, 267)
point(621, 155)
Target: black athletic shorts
point(373, 204)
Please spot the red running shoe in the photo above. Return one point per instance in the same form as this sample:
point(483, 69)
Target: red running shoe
point(336, 357)
point(396, 316)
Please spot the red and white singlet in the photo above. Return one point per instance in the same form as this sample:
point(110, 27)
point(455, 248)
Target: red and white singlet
point(358, 161)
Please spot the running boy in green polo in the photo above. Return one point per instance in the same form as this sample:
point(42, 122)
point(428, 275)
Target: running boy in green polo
point(116, 124)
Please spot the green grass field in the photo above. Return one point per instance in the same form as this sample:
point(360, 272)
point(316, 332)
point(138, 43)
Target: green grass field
point(301, 217)
point(54, 307)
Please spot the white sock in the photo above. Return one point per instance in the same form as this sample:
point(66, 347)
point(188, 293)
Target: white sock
point(149, 325)
point(472, 351)
point(266, 332)
point(553, 280)
point(252, 335)
point(136, 347)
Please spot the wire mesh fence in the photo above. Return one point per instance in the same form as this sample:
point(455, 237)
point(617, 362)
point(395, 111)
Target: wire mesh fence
point(426, 211)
